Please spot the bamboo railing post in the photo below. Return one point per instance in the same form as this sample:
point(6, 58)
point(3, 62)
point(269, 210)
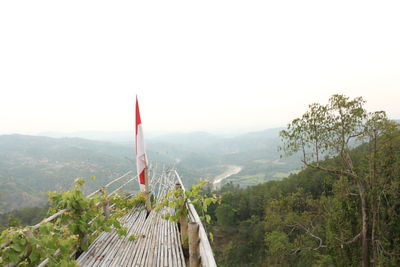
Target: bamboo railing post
point(147, 190)
point(194, 242)
point(106, 204)
point(183, 222)
point(84, 242)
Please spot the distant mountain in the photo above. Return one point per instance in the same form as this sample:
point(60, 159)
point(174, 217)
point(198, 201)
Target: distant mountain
point(118, 137)
point(126, 137)
point(188, 139)
point(219, 144)
point(32, 165)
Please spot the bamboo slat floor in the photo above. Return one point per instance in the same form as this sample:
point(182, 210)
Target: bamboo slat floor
point(157, 243)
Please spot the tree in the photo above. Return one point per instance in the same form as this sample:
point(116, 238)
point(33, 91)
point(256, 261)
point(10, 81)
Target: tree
point(330, 131)
point(13, 221)
point(225, 215)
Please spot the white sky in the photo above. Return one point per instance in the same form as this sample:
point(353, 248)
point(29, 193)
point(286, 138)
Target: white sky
point(196, 65)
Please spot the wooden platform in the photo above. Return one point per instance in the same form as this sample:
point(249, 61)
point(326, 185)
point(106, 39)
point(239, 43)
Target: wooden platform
point(158, 240)
point(157, 244)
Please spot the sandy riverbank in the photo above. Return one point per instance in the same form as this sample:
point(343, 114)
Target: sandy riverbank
point(231, 170)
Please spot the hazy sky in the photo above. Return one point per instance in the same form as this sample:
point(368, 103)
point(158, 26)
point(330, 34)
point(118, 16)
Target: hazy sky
point(196, 65)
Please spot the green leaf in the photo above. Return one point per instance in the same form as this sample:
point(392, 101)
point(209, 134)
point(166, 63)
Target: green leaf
point(211, 236)
point(122, 231)
point(208, 218)
point(17, 247)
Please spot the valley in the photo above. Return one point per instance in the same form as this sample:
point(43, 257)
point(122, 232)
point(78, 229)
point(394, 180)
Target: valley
point(30, 166)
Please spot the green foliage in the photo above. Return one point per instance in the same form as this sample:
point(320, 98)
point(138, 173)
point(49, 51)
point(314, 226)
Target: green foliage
point(29, 249)
point(132, 237)
point(277, 243)
point(178, 199)
point(84, 215)
point(74, 230)
point(225, 215)
point(330, 131)
point(13, 221)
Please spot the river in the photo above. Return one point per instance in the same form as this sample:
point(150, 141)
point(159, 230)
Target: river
point(231, 170)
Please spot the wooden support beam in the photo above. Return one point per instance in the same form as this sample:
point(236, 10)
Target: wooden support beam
point(147, 190)
point(183, 222)
point(194, 248)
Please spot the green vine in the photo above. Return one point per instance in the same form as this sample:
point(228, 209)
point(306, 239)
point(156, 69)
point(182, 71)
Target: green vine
point(72, 231)
point(178, 199)
point(29, 249)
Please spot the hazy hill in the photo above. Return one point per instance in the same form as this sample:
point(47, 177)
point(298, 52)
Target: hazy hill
point(209, 155)
point(30, 166)
point(115, 137)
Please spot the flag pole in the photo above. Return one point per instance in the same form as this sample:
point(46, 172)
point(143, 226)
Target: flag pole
point(141, 159)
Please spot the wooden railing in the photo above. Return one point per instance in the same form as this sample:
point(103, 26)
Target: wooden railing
point(206, 254)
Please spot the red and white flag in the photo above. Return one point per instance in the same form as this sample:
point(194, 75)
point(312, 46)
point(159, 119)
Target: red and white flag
point(141, 158)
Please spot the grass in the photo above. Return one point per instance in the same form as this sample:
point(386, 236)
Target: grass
point(250, 180)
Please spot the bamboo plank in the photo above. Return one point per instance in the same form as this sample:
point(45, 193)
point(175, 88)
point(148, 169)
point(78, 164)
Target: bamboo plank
point(131, 247)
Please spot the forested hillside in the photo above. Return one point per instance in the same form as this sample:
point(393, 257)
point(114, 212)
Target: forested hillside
point(312, 217)
point(31, 166)
point(201, 154)
point(24, 216)
point(340, 211)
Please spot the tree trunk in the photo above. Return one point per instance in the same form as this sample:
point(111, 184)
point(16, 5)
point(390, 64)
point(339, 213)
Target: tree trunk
point(374, 202)
point(373, 236)
point(364, 232)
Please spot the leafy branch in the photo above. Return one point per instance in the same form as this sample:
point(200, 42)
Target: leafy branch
point(81, 222)
point(177, 201)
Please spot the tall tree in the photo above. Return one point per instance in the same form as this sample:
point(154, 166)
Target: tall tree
point(330, 131)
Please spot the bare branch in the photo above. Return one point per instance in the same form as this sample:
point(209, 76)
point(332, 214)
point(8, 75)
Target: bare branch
point(334, 171)
point(311, 234)
point(354, 239)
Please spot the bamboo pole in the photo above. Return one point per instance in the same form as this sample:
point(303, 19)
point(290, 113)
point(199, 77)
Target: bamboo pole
point(106, 204)
point(147, 190)
point(183, 223)
point(194, 241)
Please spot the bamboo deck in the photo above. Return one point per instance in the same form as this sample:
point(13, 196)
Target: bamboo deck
point(158, 240)
point(157, 244)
